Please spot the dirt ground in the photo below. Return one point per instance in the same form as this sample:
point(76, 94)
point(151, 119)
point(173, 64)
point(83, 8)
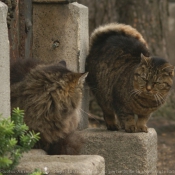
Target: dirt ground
point(166, 142)
point(166, 145)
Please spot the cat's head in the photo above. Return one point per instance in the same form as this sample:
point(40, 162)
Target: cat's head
point(153, 77)
point(63, 85)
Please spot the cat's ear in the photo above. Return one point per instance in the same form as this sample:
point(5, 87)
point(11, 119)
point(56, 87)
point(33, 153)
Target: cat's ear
point(168, 68)
point(144, 60)
point(83, 77)
point(63, 63)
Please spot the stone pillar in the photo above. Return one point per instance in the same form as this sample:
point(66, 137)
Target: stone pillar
point(60, 32)
point(124, 153)
point(4, 63)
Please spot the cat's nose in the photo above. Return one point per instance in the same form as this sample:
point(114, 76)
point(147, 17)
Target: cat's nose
point(148, 88)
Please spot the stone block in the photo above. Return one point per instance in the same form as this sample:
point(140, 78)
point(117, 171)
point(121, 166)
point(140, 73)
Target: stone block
point(4, 63)
point(124, 153)
point(61, 165)
point(60, 32)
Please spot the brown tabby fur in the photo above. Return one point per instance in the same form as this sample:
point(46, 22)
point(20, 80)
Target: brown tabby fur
point(125, 79)
point(50, 95)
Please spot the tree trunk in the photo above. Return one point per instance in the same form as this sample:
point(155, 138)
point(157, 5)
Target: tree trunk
point(149, 17)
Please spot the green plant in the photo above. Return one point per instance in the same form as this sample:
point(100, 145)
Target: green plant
point(15, 139)
point(37, 172)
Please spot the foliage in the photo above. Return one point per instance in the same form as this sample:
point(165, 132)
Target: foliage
point(15, 139)
point(37, 172)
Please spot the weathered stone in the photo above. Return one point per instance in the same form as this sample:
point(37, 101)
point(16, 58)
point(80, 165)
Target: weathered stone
point(36, 152)
point(54, 1)
point(124, 153)
point(65, 37)
point(4, 63)
point(62, 165)
point(60, 32)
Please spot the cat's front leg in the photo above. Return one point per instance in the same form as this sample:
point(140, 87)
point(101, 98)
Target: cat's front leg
point(141, 123)
point(128, 120)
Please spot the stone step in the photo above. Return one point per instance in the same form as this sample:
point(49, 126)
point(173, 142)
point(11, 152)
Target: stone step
point(60, 164)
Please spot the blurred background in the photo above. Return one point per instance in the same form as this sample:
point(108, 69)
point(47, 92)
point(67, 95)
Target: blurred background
point(155, 20)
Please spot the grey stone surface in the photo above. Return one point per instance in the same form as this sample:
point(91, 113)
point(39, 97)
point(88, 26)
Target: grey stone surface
point(60, 32)
point(54, 1)
point(65, 26)
point(4, 63)
point(62, 164)
point(36, 152)
point(124, 153)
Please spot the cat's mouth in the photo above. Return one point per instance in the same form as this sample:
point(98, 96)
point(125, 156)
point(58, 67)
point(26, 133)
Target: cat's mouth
point(147, 93)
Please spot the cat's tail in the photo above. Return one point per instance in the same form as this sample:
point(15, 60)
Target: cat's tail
point(71, 145)
point(103, 32)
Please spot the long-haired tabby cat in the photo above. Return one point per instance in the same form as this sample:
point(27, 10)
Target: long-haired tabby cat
point(50, 96)
point(124, 78)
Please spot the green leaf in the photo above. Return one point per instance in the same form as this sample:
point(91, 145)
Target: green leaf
point(5, 162)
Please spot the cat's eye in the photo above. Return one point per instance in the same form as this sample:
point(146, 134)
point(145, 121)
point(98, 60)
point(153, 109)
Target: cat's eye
point(160, 85)
point(143, 78)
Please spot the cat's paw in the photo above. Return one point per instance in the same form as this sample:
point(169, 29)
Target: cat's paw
point(113, 127)
point(131, 128)
point(142, 129)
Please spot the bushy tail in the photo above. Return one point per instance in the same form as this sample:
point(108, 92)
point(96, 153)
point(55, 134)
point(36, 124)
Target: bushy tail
point(70, 145)
point(105, 31)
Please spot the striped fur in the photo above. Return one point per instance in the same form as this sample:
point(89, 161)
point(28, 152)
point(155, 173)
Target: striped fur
point(125, 79)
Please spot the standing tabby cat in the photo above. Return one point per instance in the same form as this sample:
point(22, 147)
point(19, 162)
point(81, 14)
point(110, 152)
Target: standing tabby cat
point(50, 96)
point(124, 78)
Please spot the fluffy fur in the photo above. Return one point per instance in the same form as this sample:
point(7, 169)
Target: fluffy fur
point(50, 95)
point(124, 78)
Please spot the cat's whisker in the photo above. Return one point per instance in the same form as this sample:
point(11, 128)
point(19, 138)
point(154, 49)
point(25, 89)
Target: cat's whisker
point(160, 102)
point(159, 99)
point(135, 92)
point(157, 102)
point(89, 114)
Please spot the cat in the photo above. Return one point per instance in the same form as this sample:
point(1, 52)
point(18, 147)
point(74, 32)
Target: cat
point(128, 83)
point(50, 96)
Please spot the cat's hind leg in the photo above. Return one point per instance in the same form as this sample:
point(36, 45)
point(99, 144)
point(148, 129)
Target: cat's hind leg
point(110, 120)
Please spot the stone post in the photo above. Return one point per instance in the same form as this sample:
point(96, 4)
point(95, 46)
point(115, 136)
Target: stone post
point(4, 63)
point(60, 32)
point(124, 153)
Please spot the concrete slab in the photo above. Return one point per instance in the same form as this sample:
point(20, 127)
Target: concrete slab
point(62, 165)
point(4, 63)
point(124, 153)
